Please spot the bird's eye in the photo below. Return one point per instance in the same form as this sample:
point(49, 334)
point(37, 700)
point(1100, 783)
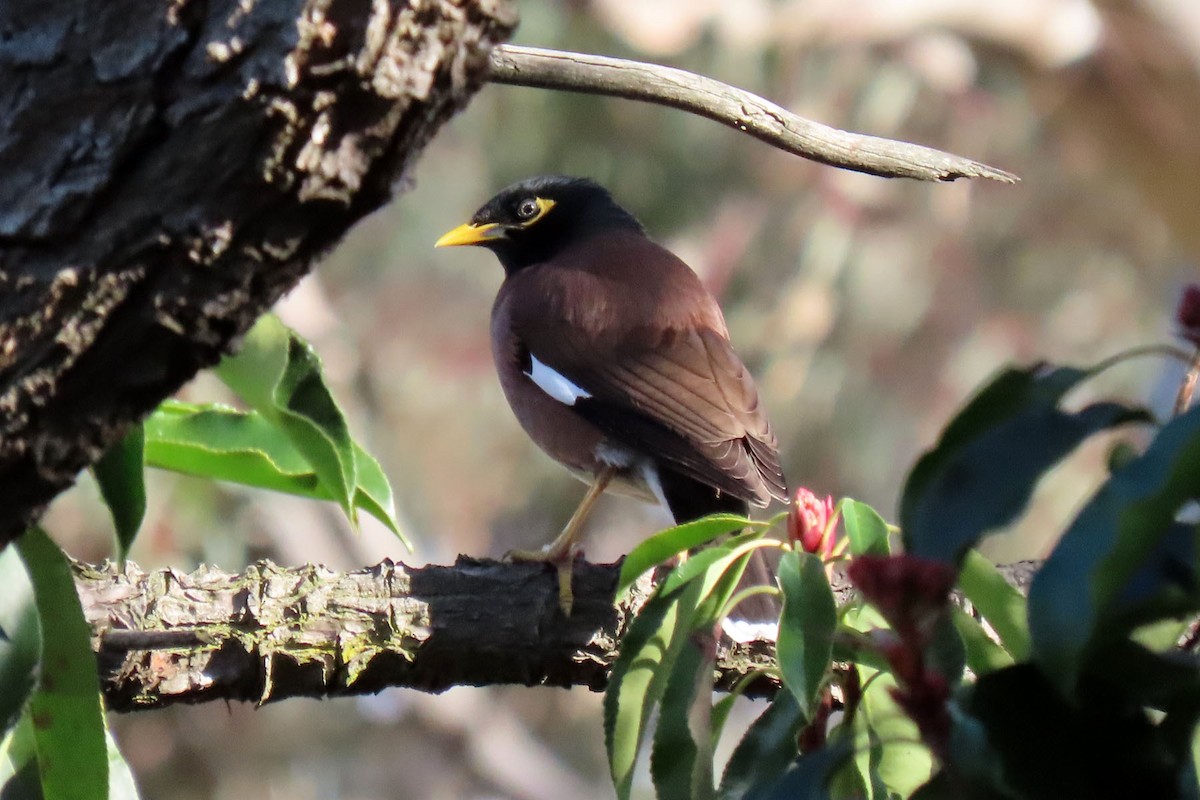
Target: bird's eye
point(527, 209)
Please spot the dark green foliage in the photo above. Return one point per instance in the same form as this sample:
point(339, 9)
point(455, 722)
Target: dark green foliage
point(1079, 692)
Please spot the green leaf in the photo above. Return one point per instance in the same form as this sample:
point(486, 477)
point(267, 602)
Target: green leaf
point(21, 643)
point(895, 757)
point(946, 652)
point(1048, 747)
point(982, 472)
point(666, 544)
point(68, 724)
point(680, 765)
point(997, 601)
point(766, 750)
point(121, 475)
point(689, 598)
point(279, 375)
point(808, 779)
point(223, 443)
point(1165, 585)
point(19, 775)
point(867, 531)
point(983, 654)
point(639, 677)
point(374, 493)
point(1073, 601)
point(682, 752)
point(18, 762)
point(806, 627)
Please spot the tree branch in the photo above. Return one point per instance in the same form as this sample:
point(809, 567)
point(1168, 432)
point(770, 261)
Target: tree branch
point(274, 632)
point(735, 108)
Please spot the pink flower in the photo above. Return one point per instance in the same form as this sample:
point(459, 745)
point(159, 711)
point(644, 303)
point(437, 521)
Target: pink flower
point(1188, 314)
point(812, 522)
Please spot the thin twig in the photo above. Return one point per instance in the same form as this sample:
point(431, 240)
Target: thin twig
point(738, 109)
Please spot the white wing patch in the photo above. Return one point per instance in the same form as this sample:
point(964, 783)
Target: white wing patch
point(555, 384)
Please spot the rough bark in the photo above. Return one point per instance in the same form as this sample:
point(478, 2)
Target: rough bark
point(169, 170)
point(271, 632)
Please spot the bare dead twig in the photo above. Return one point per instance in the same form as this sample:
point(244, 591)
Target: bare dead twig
point(738, 109)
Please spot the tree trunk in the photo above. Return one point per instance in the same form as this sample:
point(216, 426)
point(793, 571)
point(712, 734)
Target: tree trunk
point(169, 170)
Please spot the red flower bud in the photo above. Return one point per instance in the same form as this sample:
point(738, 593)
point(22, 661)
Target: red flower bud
point(1188, 314)
point(811, 522)
point(910, 592)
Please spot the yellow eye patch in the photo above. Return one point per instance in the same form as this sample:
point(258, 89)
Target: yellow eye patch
point(543, 206)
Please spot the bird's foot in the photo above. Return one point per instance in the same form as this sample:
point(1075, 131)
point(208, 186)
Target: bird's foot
point(562, 558)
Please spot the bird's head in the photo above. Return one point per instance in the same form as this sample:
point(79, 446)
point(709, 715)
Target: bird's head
point(531, 221)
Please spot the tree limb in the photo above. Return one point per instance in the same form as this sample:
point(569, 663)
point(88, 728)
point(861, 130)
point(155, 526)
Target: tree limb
point(735, 108)
point(273, 632)
point(169, 169)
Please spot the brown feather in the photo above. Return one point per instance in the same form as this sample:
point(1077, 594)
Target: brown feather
point(630, 323)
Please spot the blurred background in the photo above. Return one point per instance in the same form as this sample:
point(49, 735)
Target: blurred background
point(868, 309)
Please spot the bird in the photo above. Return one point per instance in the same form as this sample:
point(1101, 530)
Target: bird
point(616, 361)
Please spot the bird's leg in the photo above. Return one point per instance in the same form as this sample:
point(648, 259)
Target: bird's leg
point(562, 551)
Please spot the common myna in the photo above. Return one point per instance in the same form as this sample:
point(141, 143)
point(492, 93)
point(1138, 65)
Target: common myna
point(616, 360)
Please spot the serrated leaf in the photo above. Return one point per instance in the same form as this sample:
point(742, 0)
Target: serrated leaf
point(1073, 599)
point(997, 601)
point(68, 723)
point(689, 598)
point(638, 678)
point(121, 476)
point(279, 375)
point(669, 543)
point(984, 468)
point(806, 627)
point(222, 443)
point(682, 753)
point(681, 757)
point(767, 749)
point(867, 531)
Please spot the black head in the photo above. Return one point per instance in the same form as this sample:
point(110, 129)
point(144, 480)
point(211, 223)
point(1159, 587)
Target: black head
point(531, 221)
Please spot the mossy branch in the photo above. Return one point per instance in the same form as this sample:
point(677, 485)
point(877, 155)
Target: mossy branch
point(272, 632)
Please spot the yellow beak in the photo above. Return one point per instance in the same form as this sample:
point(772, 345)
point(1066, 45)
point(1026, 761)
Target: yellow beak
point(470, 234)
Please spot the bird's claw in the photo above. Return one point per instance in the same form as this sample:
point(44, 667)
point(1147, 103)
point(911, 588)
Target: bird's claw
point(562, 559)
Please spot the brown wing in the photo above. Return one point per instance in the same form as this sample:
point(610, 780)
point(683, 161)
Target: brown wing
point(691, 402)
point(664, 381)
